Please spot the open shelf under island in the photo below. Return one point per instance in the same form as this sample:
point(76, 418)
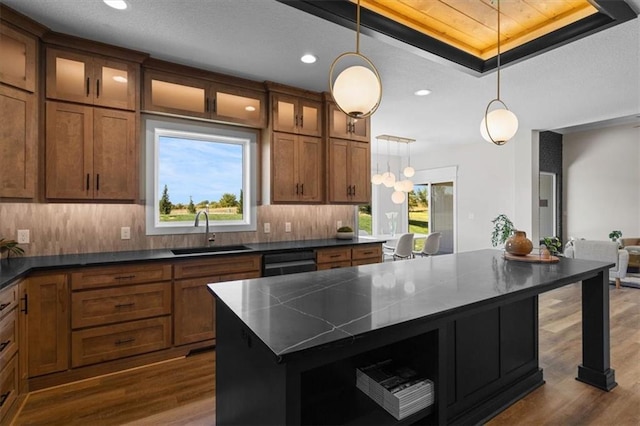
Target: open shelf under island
point(288, 346)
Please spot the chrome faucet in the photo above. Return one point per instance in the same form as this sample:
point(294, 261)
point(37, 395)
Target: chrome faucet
point(208, 240)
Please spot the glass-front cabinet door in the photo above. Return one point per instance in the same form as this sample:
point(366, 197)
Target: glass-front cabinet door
point(174, 94)
point(17, 59)
point(239, 105)
point(345, 127)
point(114, 84)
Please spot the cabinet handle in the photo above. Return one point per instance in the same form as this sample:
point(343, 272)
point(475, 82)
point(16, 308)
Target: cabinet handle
point(88, 83)
point(354, 191)
point(297, 188)
point(98, 182)
point(214, 103)
point(348, 190)
point(302, 188)
point(97, 88)
point(123, 341)
point(4, 305)
point(206, 104)
point(301, 121)
point(4, 397)
point(335, 255)
point(124, 305)
point(296, 120)
point(26, 304)
point(4, 345)
point(367, 252)
point(125, 277)
point(87, 181)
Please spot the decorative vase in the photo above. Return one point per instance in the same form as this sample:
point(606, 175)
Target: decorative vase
point(518, 244)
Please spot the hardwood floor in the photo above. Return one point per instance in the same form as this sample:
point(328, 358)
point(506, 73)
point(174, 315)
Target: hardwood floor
point(182, 391)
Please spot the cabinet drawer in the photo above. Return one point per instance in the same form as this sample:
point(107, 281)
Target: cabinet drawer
point(333, 265)
point(333, 255)
point(367, 252)
point(8, 300)
point(97, 307)
point(98, 344)
point(217, 266)
point(365, 261)
point(8, 337)
point(121, 275)
point(8, 387)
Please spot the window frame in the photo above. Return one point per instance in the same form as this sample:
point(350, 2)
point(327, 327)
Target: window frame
point(154, 127)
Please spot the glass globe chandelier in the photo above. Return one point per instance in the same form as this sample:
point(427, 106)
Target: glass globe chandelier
point(499, 125)
point(357, 90)
point(400, 186)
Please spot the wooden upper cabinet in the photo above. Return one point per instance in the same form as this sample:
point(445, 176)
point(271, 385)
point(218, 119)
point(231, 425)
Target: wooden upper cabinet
point(91, 153)
point(174, 94)
point(18, 141)
point(348, 172)
point(296, 169)
point(93, 80)
point(17, 58)
point(294, 114)
point(345, 127)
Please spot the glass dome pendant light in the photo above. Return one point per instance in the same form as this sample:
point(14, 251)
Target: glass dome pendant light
point(377, 178)
point(388, 178)
point(357, 90)
point(398, 195)
point(409, 171)
point(499, 125)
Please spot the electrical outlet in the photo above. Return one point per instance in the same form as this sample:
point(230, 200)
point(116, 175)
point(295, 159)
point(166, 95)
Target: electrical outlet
point(339, 224)
point(23, 236)
point(287, 227)
point(267, 227)
point(125, 233)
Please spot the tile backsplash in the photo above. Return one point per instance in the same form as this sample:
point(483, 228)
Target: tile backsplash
point(87, 228)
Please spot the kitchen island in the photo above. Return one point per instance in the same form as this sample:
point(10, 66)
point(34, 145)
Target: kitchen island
point(469, 322)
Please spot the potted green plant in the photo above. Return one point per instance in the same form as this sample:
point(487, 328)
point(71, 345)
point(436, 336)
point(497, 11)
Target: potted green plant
point(503, 228)
point(10, 247)
point(614, 235)
point(553, 244)
point(344, 233)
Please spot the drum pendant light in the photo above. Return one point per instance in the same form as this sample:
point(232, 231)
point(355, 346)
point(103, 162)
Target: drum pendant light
point(499, 125)
point(357, 90)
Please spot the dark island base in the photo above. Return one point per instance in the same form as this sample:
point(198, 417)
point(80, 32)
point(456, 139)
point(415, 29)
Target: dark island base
point(480, 362)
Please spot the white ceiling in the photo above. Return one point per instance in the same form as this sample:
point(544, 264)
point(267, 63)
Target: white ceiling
point(590, 80)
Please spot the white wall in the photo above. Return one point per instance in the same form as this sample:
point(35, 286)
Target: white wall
point(485, 186)
point(602, 182)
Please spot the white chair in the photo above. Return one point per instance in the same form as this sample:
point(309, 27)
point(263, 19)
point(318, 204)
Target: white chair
point(403, 248)
point(431, 245)
point(605, 251)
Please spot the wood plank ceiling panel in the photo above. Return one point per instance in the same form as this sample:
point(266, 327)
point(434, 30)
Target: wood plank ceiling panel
point(471, 25)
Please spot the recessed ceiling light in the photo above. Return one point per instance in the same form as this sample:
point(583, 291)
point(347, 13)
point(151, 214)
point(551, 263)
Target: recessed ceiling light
point(308, 58)
point(422, 92)
point(120, 79)
point(116, 4)
point(250, 108)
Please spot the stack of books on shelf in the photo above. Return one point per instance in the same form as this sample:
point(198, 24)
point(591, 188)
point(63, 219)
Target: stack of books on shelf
point(398, 389)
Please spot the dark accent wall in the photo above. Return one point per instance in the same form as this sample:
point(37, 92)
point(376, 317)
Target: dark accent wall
point(551, 162)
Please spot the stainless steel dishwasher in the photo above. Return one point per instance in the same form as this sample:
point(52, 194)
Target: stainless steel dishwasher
point(288, 263)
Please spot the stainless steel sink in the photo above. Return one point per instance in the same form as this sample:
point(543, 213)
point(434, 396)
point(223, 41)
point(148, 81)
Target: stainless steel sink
point(203, 250)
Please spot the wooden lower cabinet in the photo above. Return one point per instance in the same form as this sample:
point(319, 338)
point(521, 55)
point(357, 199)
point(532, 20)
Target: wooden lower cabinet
point(194, 318)
point(341, 257)
point(99, 344)
point(9, 353)
point(47, 323)
point(9, 389)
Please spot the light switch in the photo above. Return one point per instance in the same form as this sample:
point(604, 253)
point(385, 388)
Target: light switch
point(287, 227)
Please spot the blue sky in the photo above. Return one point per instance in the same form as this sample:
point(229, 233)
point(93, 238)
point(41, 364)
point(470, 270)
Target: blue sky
point(201, 169)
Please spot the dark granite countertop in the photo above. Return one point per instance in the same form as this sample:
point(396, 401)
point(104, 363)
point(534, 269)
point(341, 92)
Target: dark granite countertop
point(17, 267)
point(298, 312)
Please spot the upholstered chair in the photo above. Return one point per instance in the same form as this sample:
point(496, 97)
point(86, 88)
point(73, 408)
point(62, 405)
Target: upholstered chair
point(604, 251)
